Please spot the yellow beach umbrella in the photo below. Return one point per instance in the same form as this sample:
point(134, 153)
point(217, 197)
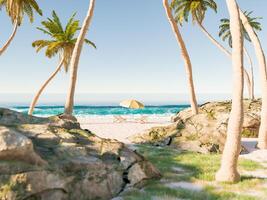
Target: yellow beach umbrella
point(131, 103)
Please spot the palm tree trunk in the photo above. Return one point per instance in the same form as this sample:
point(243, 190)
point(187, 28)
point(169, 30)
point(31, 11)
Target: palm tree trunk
point(37, 96)
point(185, 55)
point(76, 57)
point(251, 75)
point(228, 171)
point(248, 78)
point(248, 81)
point(6, 45)
point(262, 140)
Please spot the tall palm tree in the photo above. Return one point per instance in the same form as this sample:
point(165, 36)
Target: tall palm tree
point(16, 10)
point(75, 58)
point(228, 171)
point(185, 55)
point(197, 9)
point(62, 42)
point(225, 34)
point(262, 140)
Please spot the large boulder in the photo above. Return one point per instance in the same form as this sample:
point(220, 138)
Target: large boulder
point(53, 158)
point(15, 146)
point(204, 132)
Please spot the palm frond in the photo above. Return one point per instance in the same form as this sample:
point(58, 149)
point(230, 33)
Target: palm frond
point(197, 9)
point(62, 40)
point(224, 28)
point(16, 9)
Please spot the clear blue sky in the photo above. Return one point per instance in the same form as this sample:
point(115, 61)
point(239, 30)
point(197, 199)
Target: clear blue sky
point(137, 52)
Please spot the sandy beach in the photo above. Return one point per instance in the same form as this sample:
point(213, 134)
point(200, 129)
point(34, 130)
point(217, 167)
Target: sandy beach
point(105, 127)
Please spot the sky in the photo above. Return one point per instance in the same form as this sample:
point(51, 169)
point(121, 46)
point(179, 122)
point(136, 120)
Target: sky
point(136, 51)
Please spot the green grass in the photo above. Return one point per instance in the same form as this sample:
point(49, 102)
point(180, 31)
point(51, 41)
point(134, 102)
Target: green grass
point(249, 165)
point(196, 167)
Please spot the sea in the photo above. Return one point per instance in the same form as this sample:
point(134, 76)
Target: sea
point(105, 111)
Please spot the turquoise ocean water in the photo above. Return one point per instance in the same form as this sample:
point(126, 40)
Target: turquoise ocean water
point(84, 111)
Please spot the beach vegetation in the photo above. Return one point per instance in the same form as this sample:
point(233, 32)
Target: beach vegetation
point(16, 9)
point(183, 9)
point(62, 42)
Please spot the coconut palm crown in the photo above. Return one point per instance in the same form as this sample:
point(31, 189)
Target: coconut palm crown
point(17, 8)
point(197, 8)
point(224, 28)
point(62, 41)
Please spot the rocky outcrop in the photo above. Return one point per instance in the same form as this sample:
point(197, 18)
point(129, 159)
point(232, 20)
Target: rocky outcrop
point(52, 158)
point(205, 132)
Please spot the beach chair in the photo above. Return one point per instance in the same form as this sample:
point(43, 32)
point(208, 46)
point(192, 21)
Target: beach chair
point(142, 119)
point(119, 119)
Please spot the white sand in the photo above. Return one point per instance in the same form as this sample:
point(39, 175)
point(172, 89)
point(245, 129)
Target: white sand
point(106, 128)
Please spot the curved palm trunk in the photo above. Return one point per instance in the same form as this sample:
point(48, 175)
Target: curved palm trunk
point(76, 57)
point(185, 55)
point(249, 79)
point(251, 75)
point(37, 96)
point(228, 171)
point(262, 140)
point(6, 45)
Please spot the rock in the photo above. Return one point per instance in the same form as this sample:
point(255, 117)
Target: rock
point(65, 121)
point(159, 136)
point(31, 183)
point(142, 171)
point(52, 195)
point(11, 118)
point(15, 146)
point(128, 158)
point(99, 184)
point(55, 159)
point(204, 132)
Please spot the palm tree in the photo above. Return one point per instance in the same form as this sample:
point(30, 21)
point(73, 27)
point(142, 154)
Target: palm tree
point(262, 140)
point(185, 55)
point(75, 58)
point(62, 42)
point(16, 10)
point(225, 34)
point(228, 171)
point(197, 9)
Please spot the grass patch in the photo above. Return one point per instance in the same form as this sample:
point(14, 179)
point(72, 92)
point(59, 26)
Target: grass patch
point(250, 165)
point(194, 167)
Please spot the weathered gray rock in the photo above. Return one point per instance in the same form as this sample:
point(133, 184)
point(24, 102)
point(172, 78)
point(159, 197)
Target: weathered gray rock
point(11, 118)
point(205, 132)
point(15, 146)
point(64, 121)
point(55, 159)
point(30, 183)
point(142, 171)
